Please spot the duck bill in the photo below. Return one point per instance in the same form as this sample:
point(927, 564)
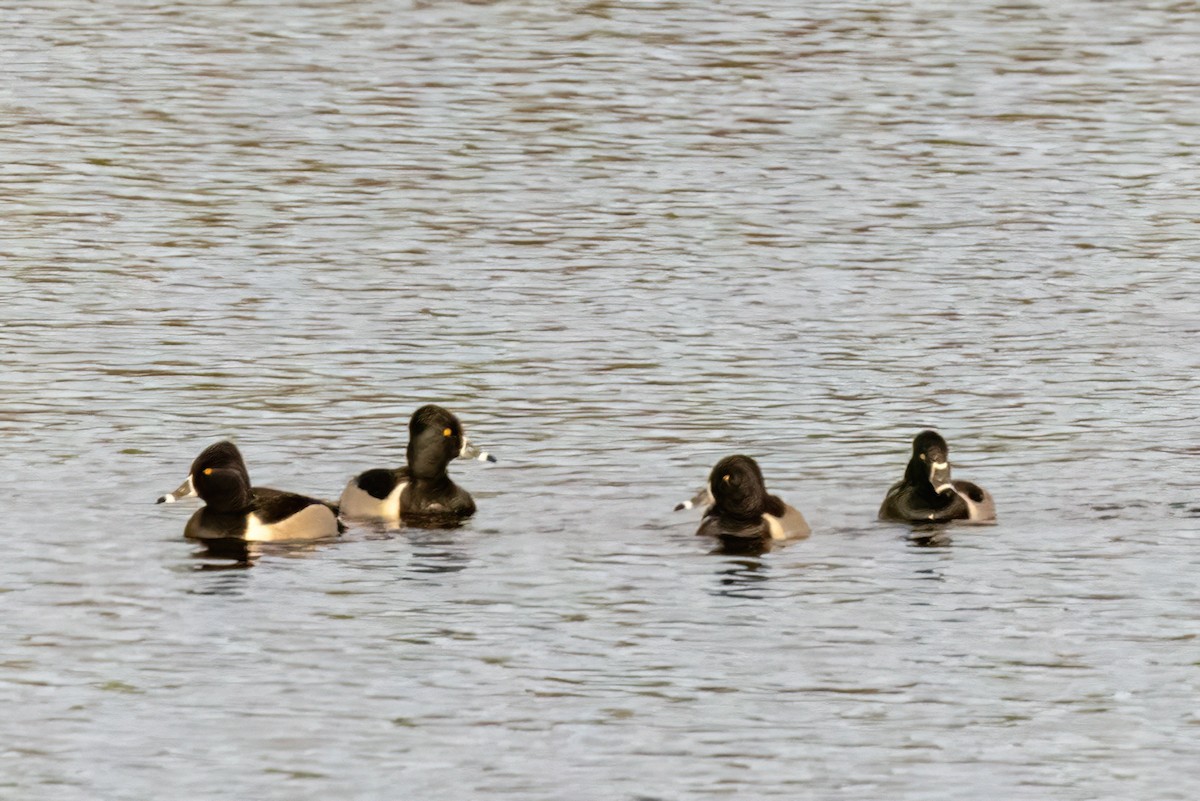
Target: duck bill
point(185, 490)
point(939, 477)
point(472, 451)
point(702, 498)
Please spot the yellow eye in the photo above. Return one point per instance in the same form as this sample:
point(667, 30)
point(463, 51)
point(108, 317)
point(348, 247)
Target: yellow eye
point(725, 478)
point(208, 471)
point(923, 459)
point(446, 432)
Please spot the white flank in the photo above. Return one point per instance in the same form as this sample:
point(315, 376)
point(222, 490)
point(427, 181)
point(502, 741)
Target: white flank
point(360, 505)
point(775, 527)
point(310, 523)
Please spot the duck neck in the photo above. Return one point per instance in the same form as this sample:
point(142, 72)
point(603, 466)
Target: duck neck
point(742, 509)
point(433, 484)
point(916, 475)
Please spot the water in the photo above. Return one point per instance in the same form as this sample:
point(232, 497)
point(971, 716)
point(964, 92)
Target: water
point(621, 241)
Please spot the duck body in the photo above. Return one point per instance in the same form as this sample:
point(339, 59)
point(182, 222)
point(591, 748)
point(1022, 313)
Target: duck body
point(743, 516)
point(421, 492)
point(235, 510)
point(275, 516)
point(737, 535)
point(928, 494)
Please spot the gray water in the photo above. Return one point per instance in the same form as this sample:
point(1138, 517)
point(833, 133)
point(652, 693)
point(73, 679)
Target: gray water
point(620, 240)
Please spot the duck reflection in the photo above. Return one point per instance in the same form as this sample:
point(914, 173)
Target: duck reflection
point(222, 582)
point(235, 553)
point(930, 537)
point(743, 546)
point(743, 578)
point(435, 550)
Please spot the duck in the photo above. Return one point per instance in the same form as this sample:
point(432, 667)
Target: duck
point(421, 491)
point(927, 494)
point(233, 509)
point(741, 514)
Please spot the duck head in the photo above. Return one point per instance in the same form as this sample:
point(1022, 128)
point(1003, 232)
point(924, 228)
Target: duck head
point(737, 488)
point(930, 463)
point(435, 437)
point(219, 477)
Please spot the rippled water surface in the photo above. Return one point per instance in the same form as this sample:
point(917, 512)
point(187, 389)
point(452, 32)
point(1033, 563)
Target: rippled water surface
point(621, 240)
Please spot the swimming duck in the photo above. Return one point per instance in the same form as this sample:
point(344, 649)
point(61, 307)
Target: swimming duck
point(421, 491)
point(928, 495)
point(235, 510)
point(742, 515)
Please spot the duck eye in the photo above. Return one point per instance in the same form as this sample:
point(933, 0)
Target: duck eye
point(923, 458)
point(725, 478)
point(208, 471)
point(446, 432)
